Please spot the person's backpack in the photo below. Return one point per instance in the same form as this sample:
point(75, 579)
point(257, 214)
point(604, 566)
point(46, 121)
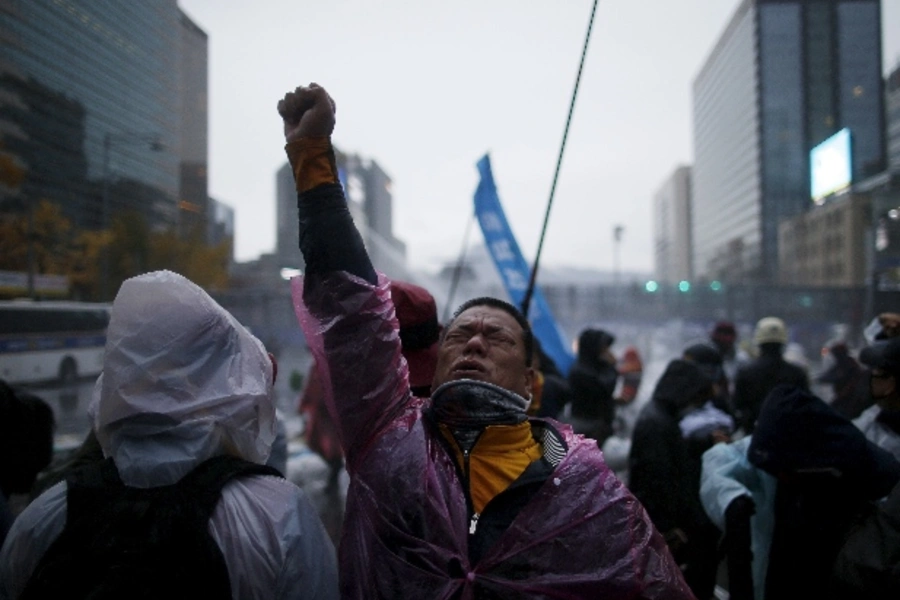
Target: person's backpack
point(124, 542)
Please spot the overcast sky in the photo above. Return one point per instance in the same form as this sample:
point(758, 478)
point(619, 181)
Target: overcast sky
point(425, 88)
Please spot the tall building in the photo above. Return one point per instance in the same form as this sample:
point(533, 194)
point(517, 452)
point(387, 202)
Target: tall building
point(378, 206)
point(672, 227)
point(784, 76)
point(826, 247)
point(892, 112)
point(220, 225)
point(286, 250)
point(194, 209)
point(91, 108)
point(368, 191)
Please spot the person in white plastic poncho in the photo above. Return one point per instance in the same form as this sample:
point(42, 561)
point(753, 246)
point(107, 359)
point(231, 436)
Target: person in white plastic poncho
point(184, 382)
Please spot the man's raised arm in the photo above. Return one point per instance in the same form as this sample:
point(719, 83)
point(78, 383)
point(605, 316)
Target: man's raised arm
point(344, 307)
point(328, 239)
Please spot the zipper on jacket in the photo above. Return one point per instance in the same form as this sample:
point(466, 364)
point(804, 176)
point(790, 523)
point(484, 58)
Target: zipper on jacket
point(473, 522)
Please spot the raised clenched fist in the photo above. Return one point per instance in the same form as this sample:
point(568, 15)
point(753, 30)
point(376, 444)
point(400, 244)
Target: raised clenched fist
point(307, 111)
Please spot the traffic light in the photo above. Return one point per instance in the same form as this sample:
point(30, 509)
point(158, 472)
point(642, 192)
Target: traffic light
point(684, 286)
point(651, 286)
point(715, 286)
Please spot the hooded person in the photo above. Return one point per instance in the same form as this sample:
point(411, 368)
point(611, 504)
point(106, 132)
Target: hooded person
point(419, 332)
point(880, 423)
point(592, 382)
point(850, 393)
point(665, 476)
point(827, 475)
point(185, 397)
point(460, 494)
point(711, 422)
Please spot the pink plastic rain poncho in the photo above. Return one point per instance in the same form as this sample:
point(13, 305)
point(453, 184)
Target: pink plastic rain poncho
point(405, 535)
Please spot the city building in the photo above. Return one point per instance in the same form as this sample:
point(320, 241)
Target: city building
point(368, 191)
point(194, 208)
point(220, 224)
point(378, 206)
point(672, 228)
point(103, 106)
point(784, 76)
point(826, 246)
point(892, 114)
point(286, 250)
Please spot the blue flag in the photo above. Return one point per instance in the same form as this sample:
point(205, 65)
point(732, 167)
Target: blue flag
point(514, 270)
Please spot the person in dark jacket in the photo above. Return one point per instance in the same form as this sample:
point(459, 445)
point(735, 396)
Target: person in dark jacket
point(26, 446)
point(554, 388)
point(665, 476)
point(868, 565)
point(592, 380)
point(850, 395)
point(710, 360)
point(754, 381)
point(827, 474)
point(709, 424)
point(724, 338)
point(880, 423)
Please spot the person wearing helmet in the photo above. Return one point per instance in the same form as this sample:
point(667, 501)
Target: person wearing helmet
point(754, 381)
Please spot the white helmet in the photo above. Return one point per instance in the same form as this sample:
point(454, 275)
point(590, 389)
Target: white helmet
point(770, 330)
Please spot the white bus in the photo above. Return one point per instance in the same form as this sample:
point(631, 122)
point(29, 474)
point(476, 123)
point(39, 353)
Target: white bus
point(51, 341)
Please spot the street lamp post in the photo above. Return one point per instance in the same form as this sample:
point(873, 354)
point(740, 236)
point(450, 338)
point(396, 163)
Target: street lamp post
point(618, 230)
point(152, 140)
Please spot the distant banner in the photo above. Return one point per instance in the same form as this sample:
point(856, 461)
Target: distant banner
point(514, 270)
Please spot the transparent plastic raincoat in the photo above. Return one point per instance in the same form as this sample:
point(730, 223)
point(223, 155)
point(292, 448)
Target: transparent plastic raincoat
point(407, 523)
point(183, 382)
point(728, 474)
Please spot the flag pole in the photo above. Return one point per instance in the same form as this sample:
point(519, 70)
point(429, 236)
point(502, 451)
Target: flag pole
point(529, 292)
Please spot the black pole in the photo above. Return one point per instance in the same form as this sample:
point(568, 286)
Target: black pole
point(526, 301)
point(457, 271)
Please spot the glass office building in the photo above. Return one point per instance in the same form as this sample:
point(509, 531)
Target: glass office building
point(91, 105)
point(784, 76)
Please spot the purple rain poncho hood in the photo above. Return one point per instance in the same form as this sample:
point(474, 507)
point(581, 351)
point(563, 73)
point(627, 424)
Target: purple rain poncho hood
point(583, 535)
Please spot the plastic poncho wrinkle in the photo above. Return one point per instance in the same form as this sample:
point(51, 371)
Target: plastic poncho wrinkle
point(181, 381)
point(406, 523)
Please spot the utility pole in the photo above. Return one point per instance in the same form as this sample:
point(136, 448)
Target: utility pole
point(618, 230)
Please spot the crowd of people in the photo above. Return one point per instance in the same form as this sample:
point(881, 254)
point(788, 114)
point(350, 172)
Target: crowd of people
point(476, 467)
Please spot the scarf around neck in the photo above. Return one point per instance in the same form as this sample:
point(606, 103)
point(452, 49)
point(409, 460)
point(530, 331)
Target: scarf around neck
point(470, 404)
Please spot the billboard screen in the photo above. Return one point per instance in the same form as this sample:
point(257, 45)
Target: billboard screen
point(830, 169)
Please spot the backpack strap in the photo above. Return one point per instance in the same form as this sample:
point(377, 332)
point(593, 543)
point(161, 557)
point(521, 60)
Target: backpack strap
point(204, 484)
point(121, 541)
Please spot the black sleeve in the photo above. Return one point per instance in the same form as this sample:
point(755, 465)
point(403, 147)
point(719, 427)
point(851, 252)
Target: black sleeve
point(867, 565)
point(655, 474)
point(328, 238)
